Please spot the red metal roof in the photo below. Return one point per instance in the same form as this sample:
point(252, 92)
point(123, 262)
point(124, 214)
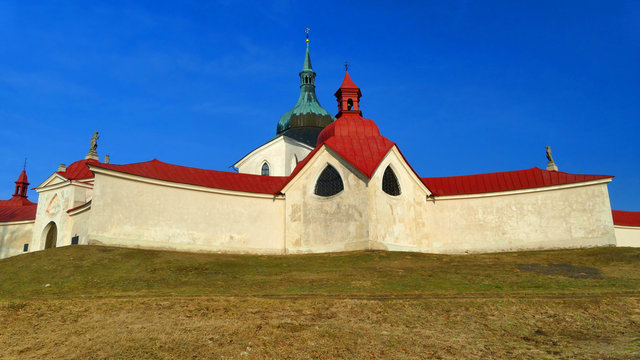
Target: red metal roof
point(357, 140)
point(156, 169)
point(626, 218)
point(364, 153)
point(16, 201)
point(79, 170)
point(503, 181)
point(349, 124)
point(22, 178)
point(17, 213)
point(347, 83)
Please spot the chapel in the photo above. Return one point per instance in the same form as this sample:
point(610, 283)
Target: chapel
point(323, 183)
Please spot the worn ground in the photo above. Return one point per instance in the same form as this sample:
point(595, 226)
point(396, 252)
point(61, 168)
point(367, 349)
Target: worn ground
point(86, 302)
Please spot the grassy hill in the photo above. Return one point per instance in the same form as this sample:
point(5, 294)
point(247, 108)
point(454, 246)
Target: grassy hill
point(101, 302)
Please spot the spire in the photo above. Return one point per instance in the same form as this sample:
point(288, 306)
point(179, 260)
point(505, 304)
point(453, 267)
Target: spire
point(307, 57)
point(22, 184)
point(307, 75)
point(307, 60)
point(348, 96)
point(307, 118)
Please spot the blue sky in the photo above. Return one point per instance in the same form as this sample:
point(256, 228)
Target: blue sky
point(462, 87)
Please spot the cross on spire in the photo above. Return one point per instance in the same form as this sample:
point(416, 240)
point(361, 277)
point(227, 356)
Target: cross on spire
point(346, 65)
point(307, 31)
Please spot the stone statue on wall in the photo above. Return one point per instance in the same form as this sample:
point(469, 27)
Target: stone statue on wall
point(93, 150)
point(551, 165)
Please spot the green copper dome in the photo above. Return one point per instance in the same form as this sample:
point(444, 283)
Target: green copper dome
point(307, 118)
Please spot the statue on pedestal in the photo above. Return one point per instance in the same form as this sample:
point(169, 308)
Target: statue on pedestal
point(93, 150)
point(551, 165)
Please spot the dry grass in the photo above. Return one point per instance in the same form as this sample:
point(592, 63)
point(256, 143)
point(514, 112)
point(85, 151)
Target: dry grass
point(106, 303)
point(253, 328)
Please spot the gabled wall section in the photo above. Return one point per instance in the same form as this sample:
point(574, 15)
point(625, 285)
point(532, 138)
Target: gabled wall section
point(363, 216)
point(280, 153)
point(55, 196)
point(399, 222)
point(324, 224)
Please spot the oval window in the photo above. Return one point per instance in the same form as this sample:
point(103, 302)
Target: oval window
point(329, 183)
point(390, 182)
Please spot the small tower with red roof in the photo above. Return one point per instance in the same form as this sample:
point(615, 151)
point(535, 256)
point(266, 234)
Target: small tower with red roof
point(348, 96)
point(22, 184)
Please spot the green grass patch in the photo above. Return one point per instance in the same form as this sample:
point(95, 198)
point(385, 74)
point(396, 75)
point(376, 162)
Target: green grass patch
point(94, 271)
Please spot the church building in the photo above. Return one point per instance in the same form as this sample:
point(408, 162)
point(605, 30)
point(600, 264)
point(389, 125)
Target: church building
point(321, 184)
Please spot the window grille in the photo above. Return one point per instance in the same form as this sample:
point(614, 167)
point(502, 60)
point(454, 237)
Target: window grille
point(390, 182)
point(329, 183)
point(265, 169)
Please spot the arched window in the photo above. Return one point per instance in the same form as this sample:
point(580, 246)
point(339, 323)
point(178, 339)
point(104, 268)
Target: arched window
point(390, 182)
point(329, 183)
point(349, 104)
point(265, 169)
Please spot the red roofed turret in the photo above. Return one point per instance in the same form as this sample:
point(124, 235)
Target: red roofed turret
point(22, 184)
point(356, 139)
point(348, 96)
point(18, 208)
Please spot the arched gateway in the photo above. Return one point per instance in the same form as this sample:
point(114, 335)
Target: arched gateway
point(51, 235)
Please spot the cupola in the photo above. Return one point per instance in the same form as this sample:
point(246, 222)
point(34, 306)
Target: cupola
point(307, 118)
point(349, 121)
point(348, 96)
point(356, 139)
point(21, 186)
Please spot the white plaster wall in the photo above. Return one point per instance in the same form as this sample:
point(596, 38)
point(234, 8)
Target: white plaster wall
point(132, 213)
point(324, 224)
point(561, 218)
point(79, 225)
point(564, 218)
point(294, 153)
point(53, 203)
point(363, 216)
point(399, 222)
point(280, 154)
point(13, 236)
point(627, 235)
